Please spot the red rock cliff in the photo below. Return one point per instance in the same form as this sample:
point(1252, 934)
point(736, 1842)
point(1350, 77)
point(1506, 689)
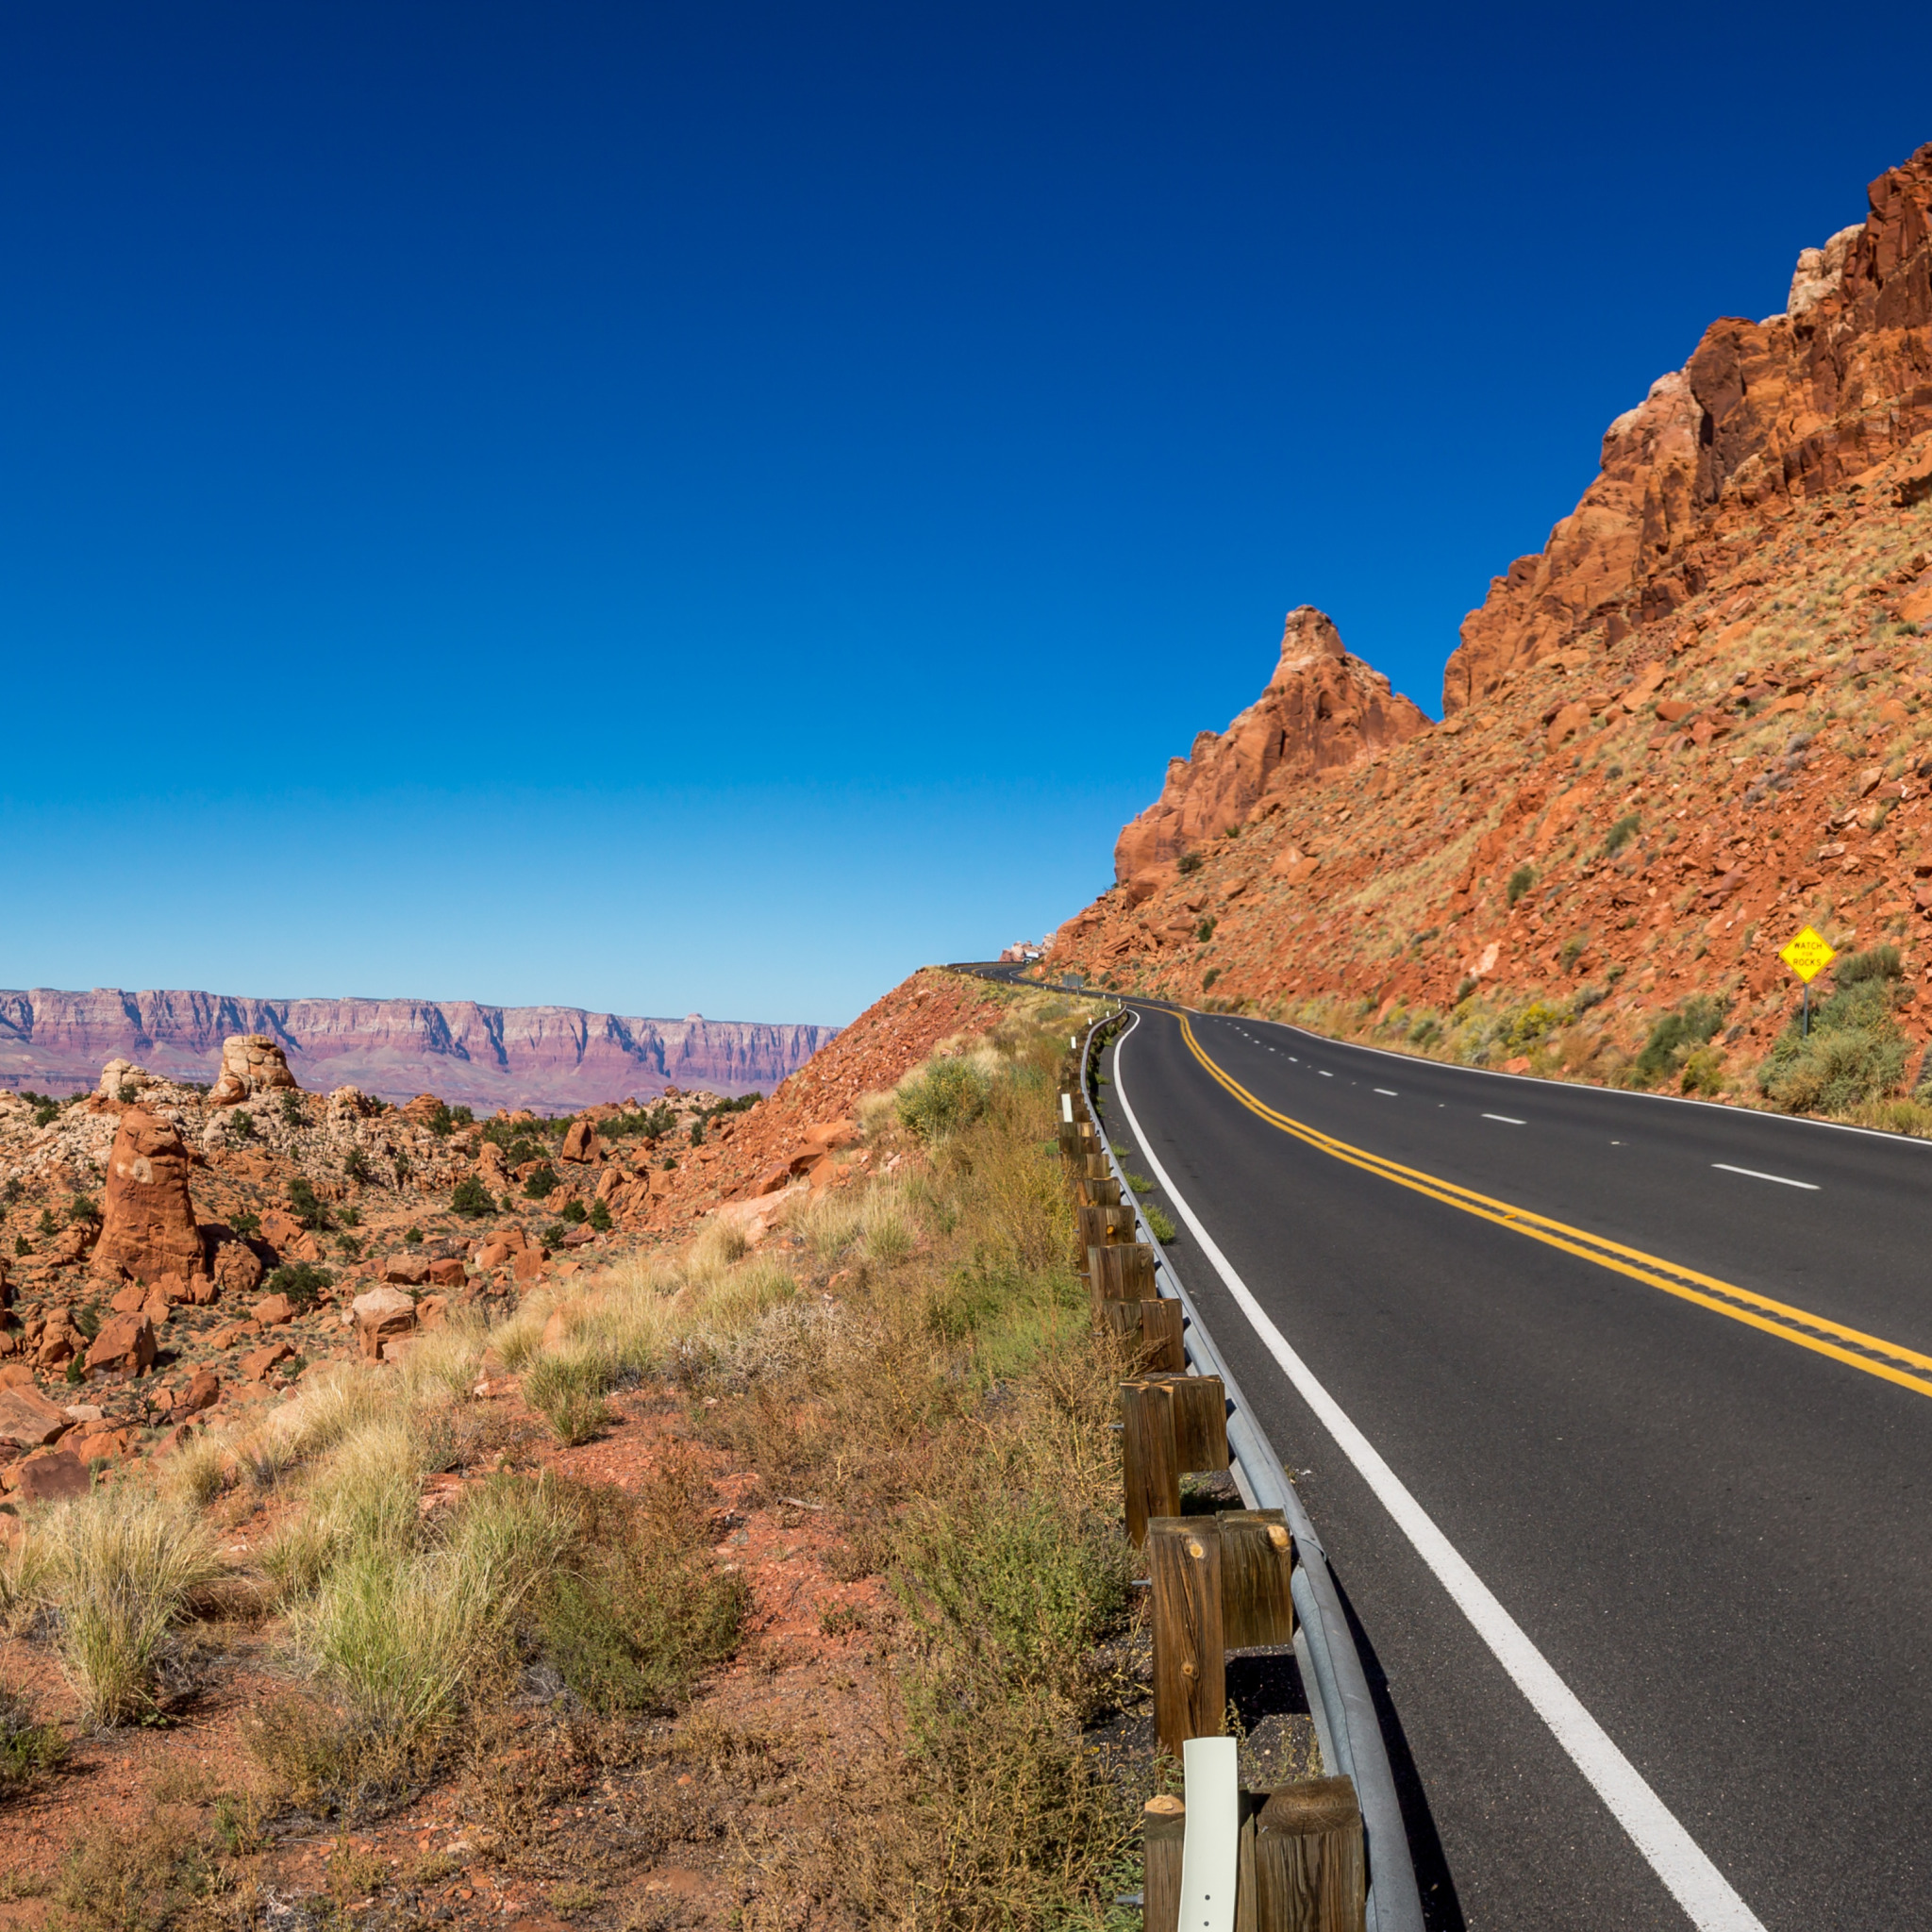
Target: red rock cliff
point(1322, 710)
point(1789, 408)
point(547, 1056)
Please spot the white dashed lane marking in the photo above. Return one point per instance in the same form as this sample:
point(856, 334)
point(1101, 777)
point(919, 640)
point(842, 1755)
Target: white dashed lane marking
point(1750, 1174)
point(1509, 1120)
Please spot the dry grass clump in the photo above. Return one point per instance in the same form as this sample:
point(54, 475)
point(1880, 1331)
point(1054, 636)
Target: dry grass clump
point(117, 1570)
point(29, 1751)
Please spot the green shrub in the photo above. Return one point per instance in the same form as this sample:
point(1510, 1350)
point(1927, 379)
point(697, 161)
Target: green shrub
point(1204, 931)
point(568, 1391)
point(1208, 977)
point(292, 1108)
point(1622, 833)
point(81, 1210)
point(571, 1213)
point(1158, 1225)
point(413, 1236)
point(301, 1281)
point(1520, 882)
point(949, 1095)
point(305, 1205)
point(46, 1226)
point(1856, 1052)
point(471, 1199)
point(1189, 861)
point(600, 1217)
point(541, 1180)
point(1532, 1025)
point(1676, 1036)
point(356, 1167)
point(246, 1224)
point(27, 1751)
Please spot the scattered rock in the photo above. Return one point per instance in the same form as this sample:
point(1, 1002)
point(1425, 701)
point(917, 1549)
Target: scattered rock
point(259, 1364)
point(125, 1347)
point(148, 1228)
point(381, 1315)
point(52, 1477)
point(251, 1064)
point(27, 1418)
point(405, 1270)
point(273, 1310)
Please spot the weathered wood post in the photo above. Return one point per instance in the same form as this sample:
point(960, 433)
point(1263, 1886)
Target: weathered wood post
point(1309, 1874)
point(1153, 1328)
point(1190, 1657)
point(1124, 1271)
point(1152, 1474)
point(1257, 1570)
point(1163, 1830)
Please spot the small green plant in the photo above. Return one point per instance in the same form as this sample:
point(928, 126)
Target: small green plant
point(1620, 834)
point(247, 1224)
point(356, 1167)
point(541, 1180)
point(1676, 1036)
point(1158, 1225)
point(239, 1126)
point(572, 1213)
point(27, 1751)
point(22, 1245)
point(441, 1120)
point(601, 1221)
point(305, 1205)
point(349, 1246)
point(1573, 950)
point(301, 1281)
point(568, 1391)
point(81, 1211)
point(46, 1113)
point(46, 1226)
point(1189, 861)
point(1204, 931)
point(1208, 977)
point(413, 1236)
point(13, 1189)
point(471, 1199)
point(1140, 1183)
point(349, 1217)
point(1520, 882)
point(947, 1097)
point(292, 1108)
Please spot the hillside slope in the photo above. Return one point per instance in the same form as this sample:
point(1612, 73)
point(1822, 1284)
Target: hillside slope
point(1695, 722)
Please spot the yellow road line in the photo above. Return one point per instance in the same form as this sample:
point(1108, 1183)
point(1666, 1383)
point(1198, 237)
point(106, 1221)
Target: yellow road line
point(1905, 1366)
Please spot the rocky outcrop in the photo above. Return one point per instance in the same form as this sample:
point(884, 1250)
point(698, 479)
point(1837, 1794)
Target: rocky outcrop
point(147, 1227)
point(556, 1059)
point(252, 1065)
point(1764, 412)
point(1322, 712)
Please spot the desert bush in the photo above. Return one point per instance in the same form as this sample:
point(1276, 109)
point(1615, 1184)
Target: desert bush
point(1188, 862)
point(1854, 1053)
point(1675, 1037)
point(1620, 834)
point(541, 1180)
point(29, 1751)
point(472, 1199)
point(305, 1205)
point(301, 1281)
point(1520, 882)
point(942, 1097)
point(143, 1876)
point(120, 1566)
point(567, 1390)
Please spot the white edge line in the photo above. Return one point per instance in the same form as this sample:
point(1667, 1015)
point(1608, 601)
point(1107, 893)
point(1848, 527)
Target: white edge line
point(1389, 1091)
point(1671, 1853)
point(1752, 1173)
point(1416, 1060)
point(1509, 1120)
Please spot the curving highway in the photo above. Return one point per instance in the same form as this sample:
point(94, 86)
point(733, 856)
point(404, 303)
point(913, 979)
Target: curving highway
point(1615, 1413)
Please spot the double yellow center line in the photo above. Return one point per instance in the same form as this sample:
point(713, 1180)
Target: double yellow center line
point(1856, 1349)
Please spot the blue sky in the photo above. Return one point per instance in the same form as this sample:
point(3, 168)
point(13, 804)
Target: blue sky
point(707, 507)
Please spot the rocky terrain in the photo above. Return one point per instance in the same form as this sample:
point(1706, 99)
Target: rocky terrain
point(1698, 721)
point(169, 1255)
point(552, 1057)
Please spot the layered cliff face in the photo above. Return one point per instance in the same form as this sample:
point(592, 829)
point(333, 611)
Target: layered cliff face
point(1764, 414)
point(1322, 711)
point(484, 1056)
point(1700, 720)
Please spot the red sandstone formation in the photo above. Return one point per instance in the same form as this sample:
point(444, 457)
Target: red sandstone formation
point(1765, 412)
point(1322, 710)
point(147, 1227)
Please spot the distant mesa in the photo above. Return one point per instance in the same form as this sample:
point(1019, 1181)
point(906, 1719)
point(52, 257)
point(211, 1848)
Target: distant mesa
point(552, 1057)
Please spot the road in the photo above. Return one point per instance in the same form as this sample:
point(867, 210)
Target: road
point(1661, 1374)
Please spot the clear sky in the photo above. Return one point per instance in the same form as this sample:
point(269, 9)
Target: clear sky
point(710, 507)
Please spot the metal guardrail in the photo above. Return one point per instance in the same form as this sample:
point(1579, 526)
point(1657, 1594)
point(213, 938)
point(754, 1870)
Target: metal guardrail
point(1339, 1700)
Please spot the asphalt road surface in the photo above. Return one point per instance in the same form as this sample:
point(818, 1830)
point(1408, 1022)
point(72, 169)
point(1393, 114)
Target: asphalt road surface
point(1661, 1376)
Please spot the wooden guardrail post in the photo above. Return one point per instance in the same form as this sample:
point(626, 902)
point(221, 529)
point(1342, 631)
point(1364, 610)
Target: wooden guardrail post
point(1124, 1271)
point(1163, 1831)
point(1256, 1572)
point(1152, 1327)
point(1152, 1474)
point(1309, 1873)
point(1190, 1658)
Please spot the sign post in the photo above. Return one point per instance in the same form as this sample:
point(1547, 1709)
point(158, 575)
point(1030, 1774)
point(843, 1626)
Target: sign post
point(1808, 955)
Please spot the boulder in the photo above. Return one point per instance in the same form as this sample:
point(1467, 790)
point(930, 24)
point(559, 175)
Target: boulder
point(27, 1418)
point(405, 1270)
point(259, 1364)
point(447, 1271)
point(381, 1315)
point(351, 1103)
point(580, 1142)
point(280, 1229)
point(58, 1341)
point(237, 1268)
point(529, 1263)
point(132, 1298)
point(273, 1310)
point(51, 1478)
point(431, 1310)
point(492, 1169)
point(493, 1254)
point(251, 1063)
point(147, 1227)
point(203, 1390)
point(422, 1109)
point(119, 1073)
point(125, 1347)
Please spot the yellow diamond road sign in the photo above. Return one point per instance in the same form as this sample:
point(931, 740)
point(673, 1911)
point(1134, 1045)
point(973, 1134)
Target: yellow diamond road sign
point(1808, 955)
